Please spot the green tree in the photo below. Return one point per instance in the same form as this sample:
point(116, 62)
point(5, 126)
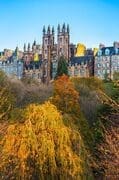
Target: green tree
point(62, 67)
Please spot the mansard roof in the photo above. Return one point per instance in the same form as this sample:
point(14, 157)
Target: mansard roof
point(112, 51)
point(81, 59)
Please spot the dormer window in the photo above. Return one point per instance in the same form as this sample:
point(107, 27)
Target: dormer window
point(99, 52)
point(116, 50)
point(107, 51)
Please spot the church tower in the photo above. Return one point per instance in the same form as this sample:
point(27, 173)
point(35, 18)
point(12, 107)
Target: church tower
point(63, 41)
point(48, 41)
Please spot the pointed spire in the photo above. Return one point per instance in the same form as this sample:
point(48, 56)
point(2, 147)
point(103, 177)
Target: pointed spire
point(67, 28)
point(58, 28)
point(28, 46)
point(24, 47)
point(63, 28)
point(53, 30)
point(34, 43)
point(44, 30)
point(16, 52)
point(48, 30)
point(16, 48)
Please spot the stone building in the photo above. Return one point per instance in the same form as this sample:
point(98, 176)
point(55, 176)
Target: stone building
point(107, 61)
point(63, 41)
point(81, 66)
point(47, 42)
point(32, 58)
point(13, 66)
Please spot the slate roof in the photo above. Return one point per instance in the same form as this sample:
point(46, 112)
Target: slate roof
point(112, 51)
point(80, 59)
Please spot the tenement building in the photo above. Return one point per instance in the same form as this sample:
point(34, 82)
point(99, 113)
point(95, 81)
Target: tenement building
point(12, 65)
point(107, 61)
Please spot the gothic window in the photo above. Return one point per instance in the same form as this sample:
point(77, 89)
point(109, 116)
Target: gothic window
point(46, 41)
point(60, 50)
point(60, 40)
point(45, 51)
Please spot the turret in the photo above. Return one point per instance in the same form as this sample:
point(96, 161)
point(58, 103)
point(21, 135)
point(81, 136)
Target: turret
point(58, 28)
point(63, 28)
point(34, 43)
point(24, 47)
point(48, 30)
point(68, 28)
point(44, 31)
point(16, 52)
point(17, 49)
point(28, 47)
point(53, 30)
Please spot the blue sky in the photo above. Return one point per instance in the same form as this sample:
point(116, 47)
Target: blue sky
point(91, 21)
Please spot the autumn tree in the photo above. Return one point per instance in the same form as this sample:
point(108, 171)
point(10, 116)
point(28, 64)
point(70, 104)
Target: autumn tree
point(6, 98)
point(65, 96)
point(42, 147)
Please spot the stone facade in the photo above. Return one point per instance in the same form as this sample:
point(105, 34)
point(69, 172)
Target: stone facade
point(40, 61)
point(13, 66)
point(62, 46)
point(63, 41)
point(106, 61)
point(81, 66)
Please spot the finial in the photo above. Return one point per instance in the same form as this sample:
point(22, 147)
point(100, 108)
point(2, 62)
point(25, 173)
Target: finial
point(53, 30)
point(34, 43)
point(48, 30)
point(63, 28)
point(28, 46)
point(44, 30)
point(67, 28)
point(24, 47)
point(58, 28)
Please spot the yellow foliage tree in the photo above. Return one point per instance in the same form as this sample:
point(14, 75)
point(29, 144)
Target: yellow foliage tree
point(6, 97)
point(42, 147)
point(81, 49)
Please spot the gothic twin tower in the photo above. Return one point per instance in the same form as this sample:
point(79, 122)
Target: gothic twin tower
point(61, 48)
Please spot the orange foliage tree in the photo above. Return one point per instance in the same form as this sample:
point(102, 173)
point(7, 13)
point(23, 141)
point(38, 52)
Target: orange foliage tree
point(42, 147)
point(65, 96)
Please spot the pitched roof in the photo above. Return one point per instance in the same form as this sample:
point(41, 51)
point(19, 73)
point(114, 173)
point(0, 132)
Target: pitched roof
point(112, 50)
point(80, 59)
